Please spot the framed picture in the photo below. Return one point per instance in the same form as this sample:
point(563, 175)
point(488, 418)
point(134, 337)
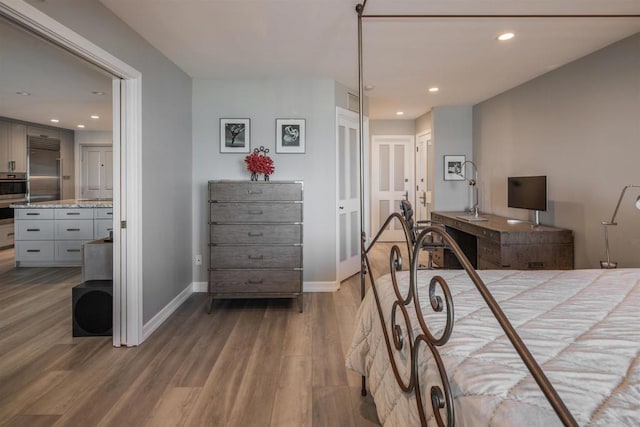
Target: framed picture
point(290, 135)
point(453, 170)
point(235, 135)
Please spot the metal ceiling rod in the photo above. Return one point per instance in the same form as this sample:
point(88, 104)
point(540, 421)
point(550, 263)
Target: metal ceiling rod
point(534, 16)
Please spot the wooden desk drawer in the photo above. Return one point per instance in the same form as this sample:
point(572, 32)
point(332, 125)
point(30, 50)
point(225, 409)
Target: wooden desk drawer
point(74, 229)
point(488, 251)
point(255, 212)
point(34, 230)
point(232, 281)
point(256, 256)
point(255, 191)
point(256, 233)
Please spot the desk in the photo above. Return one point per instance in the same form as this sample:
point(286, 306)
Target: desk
point(499, 244)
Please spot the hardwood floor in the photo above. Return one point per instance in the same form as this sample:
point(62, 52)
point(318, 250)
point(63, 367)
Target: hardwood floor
point(249, 363)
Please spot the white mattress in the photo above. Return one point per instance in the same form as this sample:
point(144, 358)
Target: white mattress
point(582, 326)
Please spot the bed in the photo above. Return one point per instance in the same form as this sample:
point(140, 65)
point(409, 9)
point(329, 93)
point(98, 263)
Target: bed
point(580, 327)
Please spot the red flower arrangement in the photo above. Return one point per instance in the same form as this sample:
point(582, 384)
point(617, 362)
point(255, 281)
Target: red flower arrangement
point(258, 162)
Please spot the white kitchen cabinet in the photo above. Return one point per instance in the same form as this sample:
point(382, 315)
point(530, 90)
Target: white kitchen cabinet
point(54, 236)
point(18, 147)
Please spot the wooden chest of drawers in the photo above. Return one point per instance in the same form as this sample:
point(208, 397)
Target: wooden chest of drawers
point(255, 239)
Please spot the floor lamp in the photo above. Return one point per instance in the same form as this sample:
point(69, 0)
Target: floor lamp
point(608, 263)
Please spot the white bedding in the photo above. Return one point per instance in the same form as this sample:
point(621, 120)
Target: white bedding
point(582, 326)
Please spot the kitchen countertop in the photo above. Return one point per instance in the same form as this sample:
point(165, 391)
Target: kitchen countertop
point(67, 203)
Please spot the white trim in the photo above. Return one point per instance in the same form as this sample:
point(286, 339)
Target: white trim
point(200, 286)
point(157, 320)
point(126, 200)
point(320, 286)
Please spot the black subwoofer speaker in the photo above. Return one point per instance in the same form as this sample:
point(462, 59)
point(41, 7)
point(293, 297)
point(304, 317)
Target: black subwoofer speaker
point(93, 308)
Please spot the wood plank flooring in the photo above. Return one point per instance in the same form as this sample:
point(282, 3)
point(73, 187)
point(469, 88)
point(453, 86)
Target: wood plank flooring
point(249, 363)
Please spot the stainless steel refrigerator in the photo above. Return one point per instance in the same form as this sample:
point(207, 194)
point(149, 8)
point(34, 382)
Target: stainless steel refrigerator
point(45, 169)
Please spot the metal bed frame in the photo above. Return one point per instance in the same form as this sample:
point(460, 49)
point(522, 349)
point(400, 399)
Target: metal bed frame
point(440, 399)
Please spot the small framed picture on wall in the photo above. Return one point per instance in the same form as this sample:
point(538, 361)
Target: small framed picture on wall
point(453, 170)
point(235, 135)
point(290, 136)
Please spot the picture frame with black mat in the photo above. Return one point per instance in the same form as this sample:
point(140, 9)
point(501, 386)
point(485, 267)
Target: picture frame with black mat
point(291, 136)
point(235, 135)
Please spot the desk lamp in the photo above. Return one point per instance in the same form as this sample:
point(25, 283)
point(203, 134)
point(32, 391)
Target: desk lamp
point(473, 182)
point(608, 263)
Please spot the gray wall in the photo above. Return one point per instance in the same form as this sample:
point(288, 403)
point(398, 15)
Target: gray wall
point(580, 126)
point(392, 127)
point(263, 101)
point(452, 132)
point(166, 146)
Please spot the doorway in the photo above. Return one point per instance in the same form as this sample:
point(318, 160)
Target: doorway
point(127, 259)
point(96, 172)
point(424, 185)
point(392, 180)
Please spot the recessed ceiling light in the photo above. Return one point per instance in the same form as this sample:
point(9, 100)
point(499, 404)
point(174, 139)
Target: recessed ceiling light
point(54, 120)
point(97, 92)
point(23, 93)
point(80, 126)
point(95, 117)
point(369, 87)
point(506, 36)
point(434, 89)
point(399, 113)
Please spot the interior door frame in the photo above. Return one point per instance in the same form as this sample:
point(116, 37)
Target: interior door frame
point(127, 164)
point(376, 140)
point(342, 113)
point(427, 183)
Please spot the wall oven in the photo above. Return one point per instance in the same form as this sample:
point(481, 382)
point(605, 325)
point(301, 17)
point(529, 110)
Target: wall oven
point(13, 190)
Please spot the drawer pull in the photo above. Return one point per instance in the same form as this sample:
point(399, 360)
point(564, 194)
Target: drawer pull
point(256, 256)
point(255, 212)
point(109, 229)
point(73, 213)
point(254, 282)
point(33, 229)
point(73, 229)
point(254, 191)
point(254, 234)
point(11, 234)
point(33, 250)
point(73, 250)
point(109, 213)
point(33, 213)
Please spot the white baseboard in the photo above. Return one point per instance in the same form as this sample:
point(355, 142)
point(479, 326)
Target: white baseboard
point(306, 286)
point(199, 286)
point(320, 286)
point(157, 320)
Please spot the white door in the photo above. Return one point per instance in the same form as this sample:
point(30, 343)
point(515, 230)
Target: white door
point(423, 200)
point(392, 180)
point(348, 193)
point(97, 172)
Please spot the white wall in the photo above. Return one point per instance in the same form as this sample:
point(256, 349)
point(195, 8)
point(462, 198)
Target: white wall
point(392, 127)
point(580, 126)
point(166, 146)
point(263, 101)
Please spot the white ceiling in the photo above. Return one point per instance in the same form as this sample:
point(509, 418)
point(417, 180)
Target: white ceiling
point(252, 39)
point(220, 39)
point(60, 84)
